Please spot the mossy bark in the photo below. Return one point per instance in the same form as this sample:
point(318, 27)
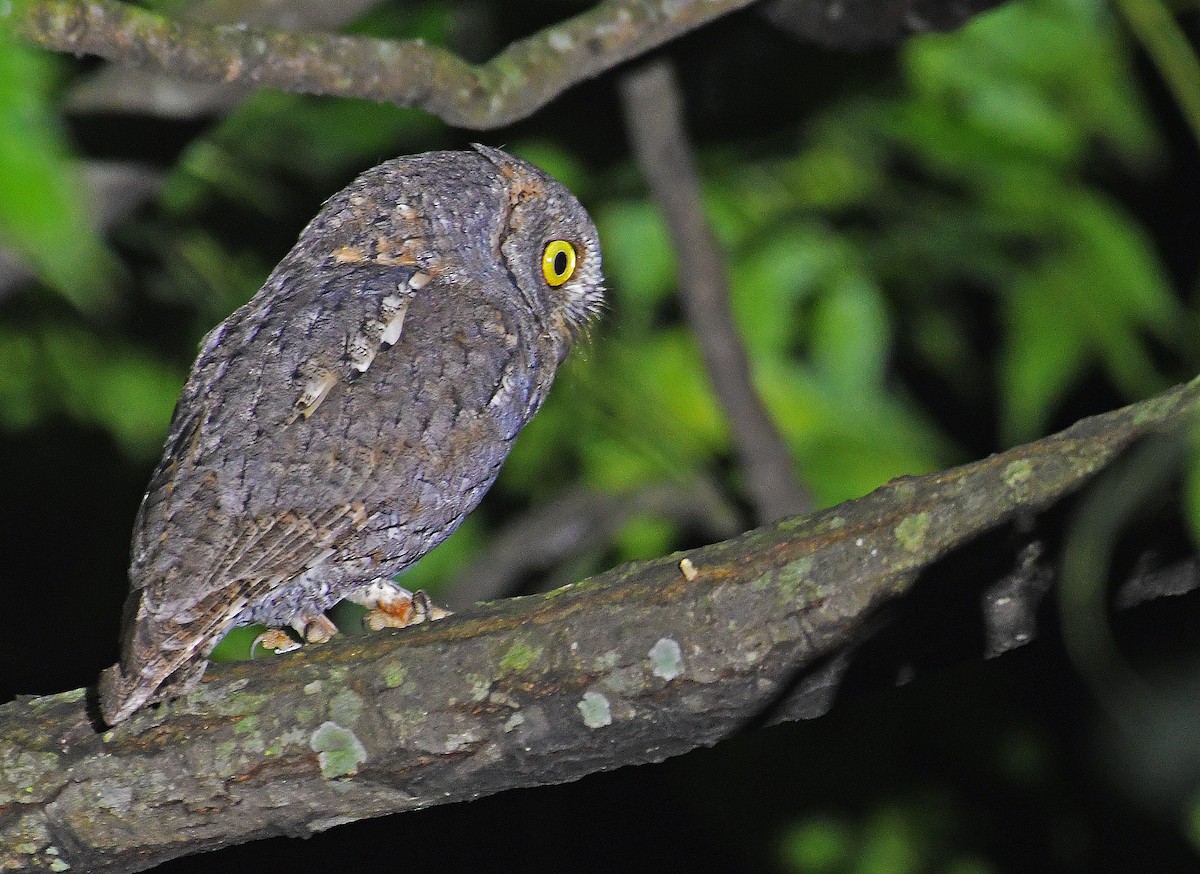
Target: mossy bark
point(635, 665)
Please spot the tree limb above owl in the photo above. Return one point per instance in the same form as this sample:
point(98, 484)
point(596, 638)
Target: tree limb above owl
point(515, 83)
point(638, 664)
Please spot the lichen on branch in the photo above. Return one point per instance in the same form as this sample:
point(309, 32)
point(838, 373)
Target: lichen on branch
point(638, 664)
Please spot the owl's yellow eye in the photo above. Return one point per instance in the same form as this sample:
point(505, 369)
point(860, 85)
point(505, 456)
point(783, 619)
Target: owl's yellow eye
point(558, 262)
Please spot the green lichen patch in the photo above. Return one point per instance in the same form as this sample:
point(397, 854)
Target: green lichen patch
point(246, 725)
point(911, 531)
point(1018, 473)
point(519, 657)
point(237, 702)
point(394, 674)
point(595, 710)
point(792, 577)
point(1157, 408)
point(339, 751)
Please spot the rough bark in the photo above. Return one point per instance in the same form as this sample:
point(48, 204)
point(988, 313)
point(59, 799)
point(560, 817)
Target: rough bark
point(640, 663)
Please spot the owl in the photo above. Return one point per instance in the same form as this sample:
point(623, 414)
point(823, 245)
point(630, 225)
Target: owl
point(343, 422)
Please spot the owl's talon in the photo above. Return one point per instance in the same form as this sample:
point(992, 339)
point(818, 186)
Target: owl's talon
point(318, 629)
point(403, 611)
point(276, 640)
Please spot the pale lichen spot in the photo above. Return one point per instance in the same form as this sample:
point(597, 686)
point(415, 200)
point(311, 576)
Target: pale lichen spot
point(666, 658)
point(517, 719)
point(312, 688)
point(1018, 472)
point(418, 280)
point(595, 710)
point(911, 531)
point(461, 742)
point(560, 41)
point(481, 687)
point(339, 751)
point(346, 707)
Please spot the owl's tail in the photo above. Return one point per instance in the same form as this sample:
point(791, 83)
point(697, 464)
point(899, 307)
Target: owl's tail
point(154, 666)
point(122, 694)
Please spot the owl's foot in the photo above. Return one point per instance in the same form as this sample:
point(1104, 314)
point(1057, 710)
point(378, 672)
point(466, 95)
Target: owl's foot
point(313, 629)
point(275, 640)
point(402, 609)
point(316, 629)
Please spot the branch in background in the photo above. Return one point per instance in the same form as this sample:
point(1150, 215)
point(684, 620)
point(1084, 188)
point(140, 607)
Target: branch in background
point(120, 89)
point(578, 522)
point(1168, 46)
point(514, 84)
point(654, 119)
point(635, 665)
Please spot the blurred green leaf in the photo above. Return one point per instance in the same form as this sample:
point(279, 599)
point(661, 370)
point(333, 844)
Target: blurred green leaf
point(770, 280)
point(1192, 823)
point(112, 385)
point(43, 206)
point(818, 846)
point(848, 444)
point(639, 260)
point(851, 335)
point(120, 389)
point(645, 537)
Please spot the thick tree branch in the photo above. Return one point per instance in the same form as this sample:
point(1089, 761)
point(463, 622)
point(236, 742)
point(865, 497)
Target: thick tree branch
point(635, 665)
point(120, 89)
point(522, 78)
point(654, 117)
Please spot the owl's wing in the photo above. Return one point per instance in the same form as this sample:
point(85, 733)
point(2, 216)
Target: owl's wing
point(212, 535)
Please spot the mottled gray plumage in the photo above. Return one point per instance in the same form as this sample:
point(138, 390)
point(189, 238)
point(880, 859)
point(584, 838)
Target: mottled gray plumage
point(343, 422)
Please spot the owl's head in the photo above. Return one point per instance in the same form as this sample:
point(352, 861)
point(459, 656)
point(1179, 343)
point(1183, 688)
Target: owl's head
point(550, 246)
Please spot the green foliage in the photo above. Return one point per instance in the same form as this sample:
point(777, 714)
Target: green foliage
point(896, 839)
point(69, 371)
point(43, 214)
point(974, 170)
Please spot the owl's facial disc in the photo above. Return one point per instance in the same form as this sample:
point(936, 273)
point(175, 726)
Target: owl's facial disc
point(550, 247)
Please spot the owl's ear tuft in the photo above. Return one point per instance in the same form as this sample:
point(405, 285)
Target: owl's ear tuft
point(499, 157)
point(525, 176)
